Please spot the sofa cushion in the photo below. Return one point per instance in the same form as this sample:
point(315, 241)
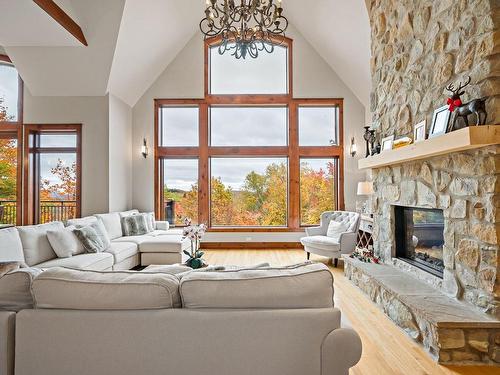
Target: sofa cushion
point(112, 224)
point(301, 286)
point(12, 247)
point(65, 242)
point(98, 261)
point(321, 242)
point(164, 244)
point(155, 234)
point(15, 289)
point(61, 288)
point(84, 221)
point(122, 250)
point(36, 246)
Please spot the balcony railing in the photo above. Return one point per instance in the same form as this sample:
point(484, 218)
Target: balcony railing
point(8, 210)
point(49, 211)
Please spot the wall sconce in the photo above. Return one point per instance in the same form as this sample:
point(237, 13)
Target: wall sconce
point(353, 149)
point(144, 148)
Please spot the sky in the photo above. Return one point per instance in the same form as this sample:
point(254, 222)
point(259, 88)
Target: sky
point(266, 74)
point(48, 161)
point(9, 88)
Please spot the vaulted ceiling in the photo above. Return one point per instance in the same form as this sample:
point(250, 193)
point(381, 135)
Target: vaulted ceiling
point(131, 42)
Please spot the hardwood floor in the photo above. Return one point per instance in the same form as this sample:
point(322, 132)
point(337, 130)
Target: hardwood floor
point(386, 349)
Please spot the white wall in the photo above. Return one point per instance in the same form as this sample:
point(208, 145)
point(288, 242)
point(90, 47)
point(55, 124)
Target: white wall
point(120, 155)
point(183, 78)
point(92, 113)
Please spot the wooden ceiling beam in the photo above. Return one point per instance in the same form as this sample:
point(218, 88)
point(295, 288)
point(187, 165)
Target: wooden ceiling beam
point(62, 18)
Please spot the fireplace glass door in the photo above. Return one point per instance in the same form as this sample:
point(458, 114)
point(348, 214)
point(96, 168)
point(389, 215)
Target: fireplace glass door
point(419, 238)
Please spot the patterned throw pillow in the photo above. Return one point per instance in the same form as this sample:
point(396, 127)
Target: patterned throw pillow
point(134, 225)
point(89, 239)
point(150, 220)
point(102, 233)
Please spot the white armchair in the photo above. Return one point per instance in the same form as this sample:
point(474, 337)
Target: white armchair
point(317, 242)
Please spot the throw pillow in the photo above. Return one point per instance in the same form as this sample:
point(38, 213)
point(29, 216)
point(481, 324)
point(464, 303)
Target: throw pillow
point(64, 242)
point(102, 233)
point(90, 239)
point(335, 229)
point(134, 225)
point(150, 220)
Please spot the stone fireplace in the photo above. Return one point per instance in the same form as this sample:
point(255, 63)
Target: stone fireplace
point(418, 48)
point(464, 187)
point(437, 229)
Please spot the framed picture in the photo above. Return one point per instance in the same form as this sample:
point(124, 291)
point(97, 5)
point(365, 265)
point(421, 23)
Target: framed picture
point(440, 121)
point(419, 132)
point(387, 143)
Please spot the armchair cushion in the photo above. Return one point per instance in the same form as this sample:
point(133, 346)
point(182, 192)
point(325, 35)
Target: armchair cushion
point(321, 242)
point(335, 229)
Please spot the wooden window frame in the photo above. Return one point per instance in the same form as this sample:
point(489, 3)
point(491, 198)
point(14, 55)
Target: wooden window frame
point(293, 152)
point(31, 189)
point(15, 128)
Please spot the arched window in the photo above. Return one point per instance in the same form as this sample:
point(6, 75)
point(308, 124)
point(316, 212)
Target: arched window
point(248, 156)
point(11, 91)
point(11, 88)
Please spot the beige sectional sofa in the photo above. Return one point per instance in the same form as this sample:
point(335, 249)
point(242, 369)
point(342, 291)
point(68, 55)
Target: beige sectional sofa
point(162, 246)
point(262, 321)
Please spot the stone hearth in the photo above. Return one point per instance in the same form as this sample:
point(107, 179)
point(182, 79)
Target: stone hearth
point(450, 330)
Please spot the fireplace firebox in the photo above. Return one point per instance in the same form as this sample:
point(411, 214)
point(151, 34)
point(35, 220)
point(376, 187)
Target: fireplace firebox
point(420, 238)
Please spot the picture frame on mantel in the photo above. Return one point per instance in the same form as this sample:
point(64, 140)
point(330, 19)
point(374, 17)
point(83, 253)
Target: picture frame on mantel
point(387, 143)
point(440, 121)
point(419, 132)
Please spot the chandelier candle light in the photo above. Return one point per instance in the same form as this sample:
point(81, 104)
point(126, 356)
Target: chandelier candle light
point(246, 29)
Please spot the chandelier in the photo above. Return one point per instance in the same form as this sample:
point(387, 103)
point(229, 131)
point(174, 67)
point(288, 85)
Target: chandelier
point(246, 29)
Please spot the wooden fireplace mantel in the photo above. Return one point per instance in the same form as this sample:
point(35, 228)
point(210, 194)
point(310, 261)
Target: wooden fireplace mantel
point(459, 140)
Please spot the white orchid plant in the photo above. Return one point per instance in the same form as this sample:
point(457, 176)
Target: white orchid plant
point(194, 233)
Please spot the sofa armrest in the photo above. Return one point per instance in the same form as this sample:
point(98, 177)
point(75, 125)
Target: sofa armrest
point(162, 225)
point(315, 231)
point(340, 350)
point(7, 333)
point(347, 242)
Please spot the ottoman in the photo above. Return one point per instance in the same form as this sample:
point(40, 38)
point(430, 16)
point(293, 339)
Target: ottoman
point(163, 249)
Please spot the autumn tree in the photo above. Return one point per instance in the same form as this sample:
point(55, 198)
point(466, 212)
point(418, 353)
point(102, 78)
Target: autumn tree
point(316, 192)
point(8, 168)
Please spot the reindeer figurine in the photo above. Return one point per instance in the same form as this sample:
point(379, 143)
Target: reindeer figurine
point(476, 106)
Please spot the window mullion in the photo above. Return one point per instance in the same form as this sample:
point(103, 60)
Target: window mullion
point(294, 169)
point(203, 166)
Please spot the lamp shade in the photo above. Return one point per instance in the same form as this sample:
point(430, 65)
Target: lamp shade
point(365, 188)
